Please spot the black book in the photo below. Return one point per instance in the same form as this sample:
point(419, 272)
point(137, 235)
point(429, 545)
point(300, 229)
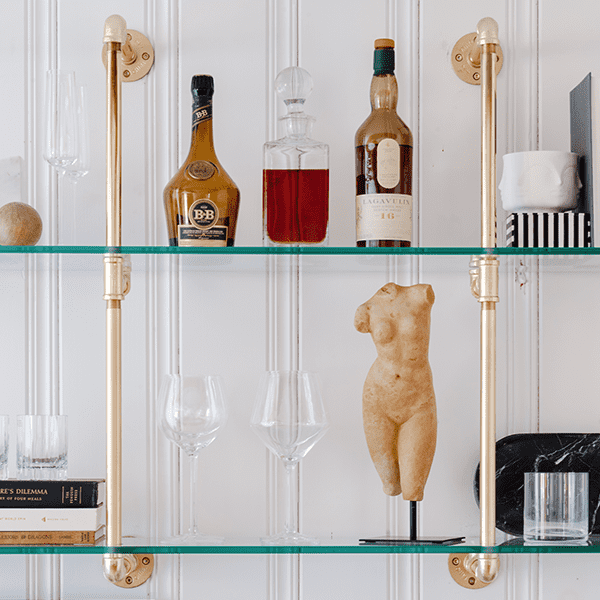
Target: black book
point(65, 493)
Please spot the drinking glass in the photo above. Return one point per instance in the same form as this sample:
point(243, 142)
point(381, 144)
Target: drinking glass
point(556, 508)
point(42, 446)
point(193, 413)
point(61, 144)
point(290, 419)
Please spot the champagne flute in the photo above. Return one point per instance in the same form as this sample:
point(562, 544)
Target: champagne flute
point(61, 144)
point(79, 168)
point(193, 413)
point(290, 419)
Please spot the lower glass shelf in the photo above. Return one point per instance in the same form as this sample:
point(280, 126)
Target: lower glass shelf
point(341, 546)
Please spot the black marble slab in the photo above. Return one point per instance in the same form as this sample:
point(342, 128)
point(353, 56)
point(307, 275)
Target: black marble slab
point(545, 453)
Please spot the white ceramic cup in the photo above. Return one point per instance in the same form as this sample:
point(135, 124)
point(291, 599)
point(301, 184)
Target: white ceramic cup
point(539, 181)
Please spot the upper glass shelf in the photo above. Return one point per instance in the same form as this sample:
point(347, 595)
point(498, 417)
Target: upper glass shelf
point(248, 546)
point(260, 250)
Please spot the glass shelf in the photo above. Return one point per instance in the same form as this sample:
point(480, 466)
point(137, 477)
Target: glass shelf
point(260, 250)
point(250, 546)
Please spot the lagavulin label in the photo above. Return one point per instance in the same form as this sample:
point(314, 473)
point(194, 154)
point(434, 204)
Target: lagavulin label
point(384, 217)
point(388, 164)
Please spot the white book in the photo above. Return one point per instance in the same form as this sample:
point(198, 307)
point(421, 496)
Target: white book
point(51, 519)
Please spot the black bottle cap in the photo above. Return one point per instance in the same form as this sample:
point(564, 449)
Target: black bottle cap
point(202, 85)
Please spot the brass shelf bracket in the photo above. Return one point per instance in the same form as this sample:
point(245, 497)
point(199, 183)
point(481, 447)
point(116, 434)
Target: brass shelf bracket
point(477, 59)
point(124, 570)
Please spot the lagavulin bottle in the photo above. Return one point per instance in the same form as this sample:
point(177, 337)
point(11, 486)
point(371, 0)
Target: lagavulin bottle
point(383, 162)
point(296, 172)
point(201, 200)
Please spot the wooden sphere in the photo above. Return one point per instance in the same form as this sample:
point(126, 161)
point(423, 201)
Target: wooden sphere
point(20, 225)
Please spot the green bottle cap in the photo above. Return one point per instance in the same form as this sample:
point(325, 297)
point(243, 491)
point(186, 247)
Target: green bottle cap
point(384, 60)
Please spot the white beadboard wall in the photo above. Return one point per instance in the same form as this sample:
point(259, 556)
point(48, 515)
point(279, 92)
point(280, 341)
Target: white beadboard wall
point(239, 315)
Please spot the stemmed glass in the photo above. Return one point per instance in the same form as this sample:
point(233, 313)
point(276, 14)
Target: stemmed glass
point(80, 167)
point(61, 145)
point(67, 144)
point(193, 413)
point(290, 419)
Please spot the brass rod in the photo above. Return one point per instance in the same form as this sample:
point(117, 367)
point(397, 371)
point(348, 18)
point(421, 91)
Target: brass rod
point(487, 486)
point(488, 146)
point(113, 146)
point(113, 423)
point(113, 275)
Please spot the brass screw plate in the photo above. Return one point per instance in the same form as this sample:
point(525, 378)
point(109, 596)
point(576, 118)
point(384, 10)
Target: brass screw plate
point(144, 57)
point(141, 574)
point(462, 575)
point(463, 67)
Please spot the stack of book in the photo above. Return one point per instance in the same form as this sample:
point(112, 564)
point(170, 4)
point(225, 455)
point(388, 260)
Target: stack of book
point(44, 512)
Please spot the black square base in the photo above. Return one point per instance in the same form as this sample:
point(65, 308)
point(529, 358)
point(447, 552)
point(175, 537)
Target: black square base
point(394, 541)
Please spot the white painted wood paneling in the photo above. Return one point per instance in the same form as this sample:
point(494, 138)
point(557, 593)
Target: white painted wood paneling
point(237, 316)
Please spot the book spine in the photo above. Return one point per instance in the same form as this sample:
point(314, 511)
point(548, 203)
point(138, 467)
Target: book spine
point(51, 519)
point(39, 538)
point(51, 494)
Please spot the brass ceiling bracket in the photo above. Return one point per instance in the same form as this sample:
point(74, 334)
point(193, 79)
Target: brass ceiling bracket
point(465, 59)
point(137, 56)
point(128, 570)
point(462, 571)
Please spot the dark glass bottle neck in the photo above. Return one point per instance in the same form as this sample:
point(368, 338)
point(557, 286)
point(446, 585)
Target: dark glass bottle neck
point(202, 134)
point(384, 92)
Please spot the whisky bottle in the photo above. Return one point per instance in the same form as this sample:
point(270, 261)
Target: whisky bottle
point(201, 200)
point(296, 172)
point(383, 162)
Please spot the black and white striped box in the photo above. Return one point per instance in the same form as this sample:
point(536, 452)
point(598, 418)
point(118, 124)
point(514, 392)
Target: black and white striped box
point(548, 230)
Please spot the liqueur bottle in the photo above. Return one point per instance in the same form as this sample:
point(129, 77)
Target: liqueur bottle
point(383, 162)
point(296, 172)
point(201, 201)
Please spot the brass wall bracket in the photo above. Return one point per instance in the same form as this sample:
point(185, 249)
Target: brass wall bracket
point(128, 570)
point(117, 276)
point(466, 59)
point(463, 569)
point(137, 56)
point(483, 271)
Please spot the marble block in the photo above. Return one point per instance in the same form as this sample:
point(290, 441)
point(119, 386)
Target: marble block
point(546, 453)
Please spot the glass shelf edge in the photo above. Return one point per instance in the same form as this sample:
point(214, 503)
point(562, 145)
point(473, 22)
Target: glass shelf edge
point(514, 547)
point(286, 250)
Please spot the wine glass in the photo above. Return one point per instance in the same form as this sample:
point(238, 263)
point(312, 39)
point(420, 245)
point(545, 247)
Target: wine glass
point(61, 144)
point(193, 413)
point(290, 419)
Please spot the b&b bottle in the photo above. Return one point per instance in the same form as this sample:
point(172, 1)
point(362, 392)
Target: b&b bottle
point(201, 200)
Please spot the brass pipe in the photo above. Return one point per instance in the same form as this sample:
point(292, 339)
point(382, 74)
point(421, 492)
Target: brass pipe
point(124, 570)
point(484, 52)
point(486, 566)
point(115, 566)
point(488, 146)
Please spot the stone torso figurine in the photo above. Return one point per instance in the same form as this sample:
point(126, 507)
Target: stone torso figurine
point(399, 412)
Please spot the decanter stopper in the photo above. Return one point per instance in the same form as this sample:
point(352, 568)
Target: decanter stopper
point(294, 86)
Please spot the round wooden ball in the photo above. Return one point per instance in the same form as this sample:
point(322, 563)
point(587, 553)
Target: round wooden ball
point(20, 225)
